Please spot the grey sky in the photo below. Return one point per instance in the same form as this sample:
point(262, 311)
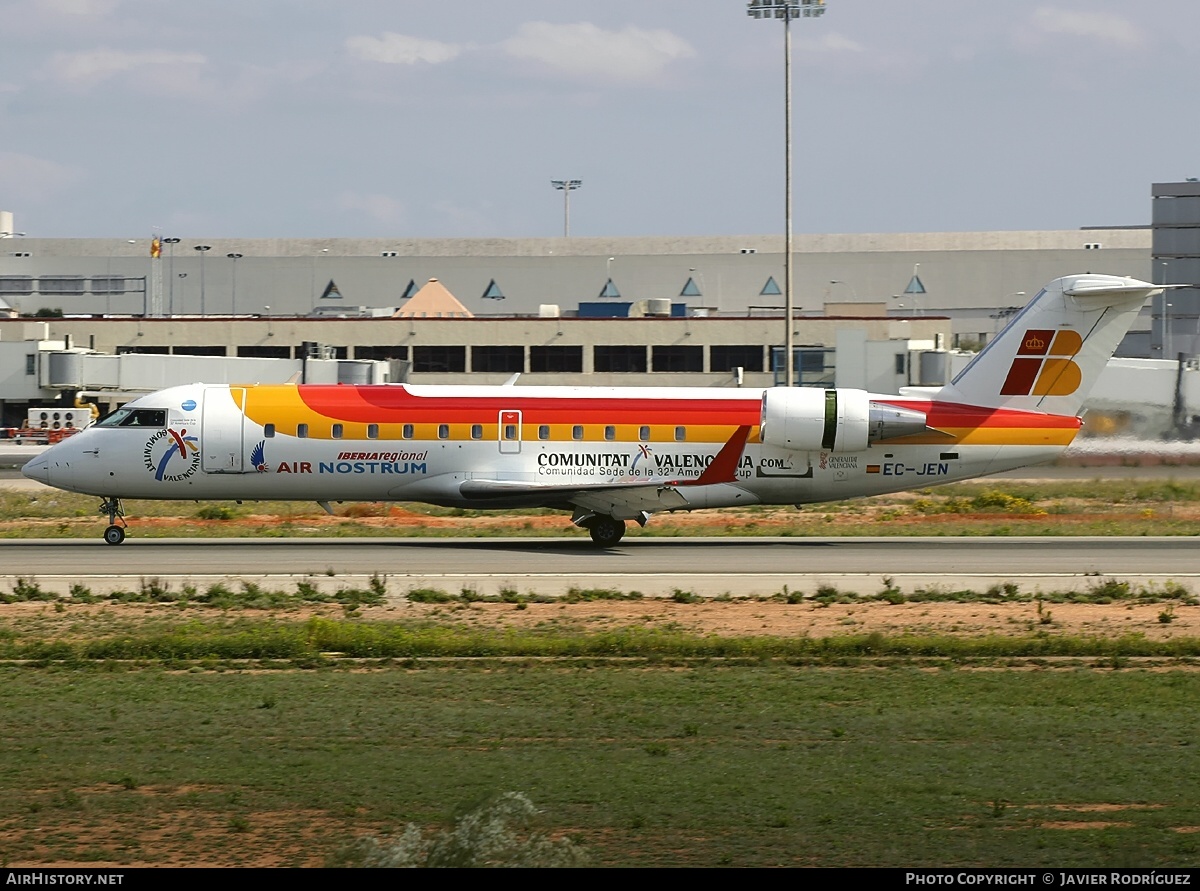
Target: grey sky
point(415, 118)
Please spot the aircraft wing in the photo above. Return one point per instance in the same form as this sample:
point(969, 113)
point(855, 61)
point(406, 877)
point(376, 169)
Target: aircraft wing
point(622, 500)
point(618, 499)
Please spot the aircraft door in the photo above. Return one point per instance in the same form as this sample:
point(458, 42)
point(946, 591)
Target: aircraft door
point(510, 432)
point(222, 436)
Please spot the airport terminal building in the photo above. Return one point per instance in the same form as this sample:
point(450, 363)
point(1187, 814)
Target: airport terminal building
point(870, 309)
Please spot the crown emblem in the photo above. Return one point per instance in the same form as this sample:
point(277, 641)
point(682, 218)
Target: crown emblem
point(1034, 343)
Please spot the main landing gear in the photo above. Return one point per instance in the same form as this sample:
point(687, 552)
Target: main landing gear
point(115, 533)
point(606, 531)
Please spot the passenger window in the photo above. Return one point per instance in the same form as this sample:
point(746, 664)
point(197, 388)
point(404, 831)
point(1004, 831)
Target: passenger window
point(372, 431)
point(407, 431)
point(577, 432)
point(302, 431)
point(337, 431)
point(443, 431)
point(610, 433)
point(680, 434)
point(644, 433)
point(544, 431)
point(269, 431)
point(476, 431)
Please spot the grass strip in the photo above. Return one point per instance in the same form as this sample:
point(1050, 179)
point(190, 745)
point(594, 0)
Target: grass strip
point(328, 639)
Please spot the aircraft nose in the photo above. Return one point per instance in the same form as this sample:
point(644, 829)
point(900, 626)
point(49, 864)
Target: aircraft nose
point(38, 469)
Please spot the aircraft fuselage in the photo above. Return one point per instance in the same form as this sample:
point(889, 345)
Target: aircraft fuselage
point(398, 443)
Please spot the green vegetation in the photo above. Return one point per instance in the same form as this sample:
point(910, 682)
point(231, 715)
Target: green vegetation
point(1092, 507)
point(247, 595)
point(703, 765)
point(251, 595)
point(228, 725)
point(325, 642)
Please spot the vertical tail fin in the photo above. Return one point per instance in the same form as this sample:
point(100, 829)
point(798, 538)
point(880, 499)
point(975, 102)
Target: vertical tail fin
point(1050, 355)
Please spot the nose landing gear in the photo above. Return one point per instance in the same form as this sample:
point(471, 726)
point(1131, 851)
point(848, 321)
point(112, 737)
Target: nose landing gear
point(115, 533)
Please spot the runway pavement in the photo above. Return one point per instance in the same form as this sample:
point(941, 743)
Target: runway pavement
point(656, 567)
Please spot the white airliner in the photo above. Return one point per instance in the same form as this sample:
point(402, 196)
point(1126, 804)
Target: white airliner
point(608, 454)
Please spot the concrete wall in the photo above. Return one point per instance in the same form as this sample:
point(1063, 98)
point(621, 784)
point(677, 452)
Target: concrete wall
point(968, 276)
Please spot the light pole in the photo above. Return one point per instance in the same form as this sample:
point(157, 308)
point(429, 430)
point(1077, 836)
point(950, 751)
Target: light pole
point(312, 276)
point(703, 287)
point(787, 10)
point(170, 243)
point(233, 285)
point(566, 186)
point(108, 278)
point(203, 249)
point(853, 290)
point(1166, 315)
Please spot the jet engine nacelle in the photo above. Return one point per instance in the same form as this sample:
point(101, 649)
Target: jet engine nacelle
point(804, 419)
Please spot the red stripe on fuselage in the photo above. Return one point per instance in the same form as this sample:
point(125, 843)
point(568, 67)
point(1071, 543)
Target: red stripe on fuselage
point(949, 414)
point(395, 404)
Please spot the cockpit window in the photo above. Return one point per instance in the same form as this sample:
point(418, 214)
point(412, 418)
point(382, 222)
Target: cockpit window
point(135, 417)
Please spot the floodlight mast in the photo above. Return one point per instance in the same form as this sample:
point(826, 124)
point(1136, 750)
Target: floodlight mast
point(787, 10)
point(566, 186)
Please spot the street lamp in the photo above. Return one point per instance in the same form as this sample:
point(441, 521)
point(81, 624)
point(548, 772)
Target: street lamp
point(853, 290)
point(692, 270)
point(566, 186)
point(108, 277)
point(203, 249)
point(233, 286)
point(787, 10)
point(312, 275)
point(170, 243)
point(1166, 344)
point(1006, 312)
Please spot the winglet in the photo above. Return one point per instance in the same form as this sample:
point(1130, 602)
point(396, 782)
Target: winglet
point(724, 467)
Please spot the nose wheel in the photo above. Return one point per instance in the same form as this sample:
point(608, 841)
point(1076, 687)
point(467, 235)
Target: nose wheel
point(115, 533)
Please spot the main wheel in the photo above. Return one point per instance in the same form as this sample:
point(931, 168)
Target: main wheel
point(606, 531)
point(114, 535)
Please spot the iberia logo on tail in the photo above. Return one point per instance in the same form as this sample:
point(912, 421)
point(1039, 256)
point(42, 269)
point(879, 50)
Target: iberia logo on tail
point(1043, 365)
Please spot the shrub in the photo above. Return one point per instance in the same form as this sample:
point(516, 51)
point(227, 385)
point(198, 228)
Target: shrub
point(29, 589)
point(428, 595)
point(216, 512)
point(494, 834)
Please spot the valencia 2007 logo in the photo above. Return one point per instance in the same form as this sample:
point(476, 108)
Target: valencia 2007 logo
point(1043, 365)
point(171, 455)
